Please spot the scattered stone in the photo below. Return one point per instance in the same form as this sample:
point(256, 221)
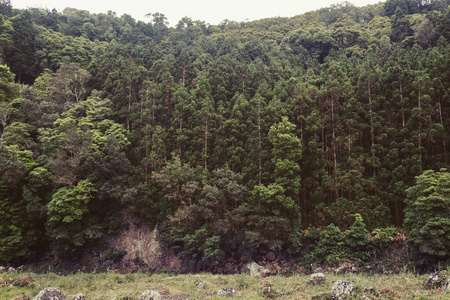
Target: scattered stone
point(78, 297)
point(434, 280)
point(270, 255)
point(317, 278)
point(447, 286)
point(200, 285)
point(150, 295)
point(2, 269)
point(355, 270)
point(256, 270)
point(341, 289)
point(21, 268)
point(50, 294)
point(12, 270)
point(227, 292)
point(229, 268)
point(341, 270)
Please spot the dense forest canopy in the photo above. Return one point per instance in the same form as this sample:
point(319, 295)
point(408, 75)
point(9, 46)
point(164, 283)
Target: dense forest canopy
point(227, 136)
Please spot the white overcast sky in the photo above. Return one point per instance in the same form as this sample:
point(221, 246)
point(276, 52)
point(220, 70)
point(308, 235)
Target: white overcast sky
point(212, 11)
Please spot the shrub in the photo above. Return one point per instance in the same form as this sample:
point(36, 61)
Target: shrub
point(427, 218)
point(357, 239)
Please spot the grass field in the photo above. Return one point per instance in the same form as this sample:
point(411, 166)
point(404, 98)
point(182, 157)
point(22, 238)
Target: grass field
point(130, 286)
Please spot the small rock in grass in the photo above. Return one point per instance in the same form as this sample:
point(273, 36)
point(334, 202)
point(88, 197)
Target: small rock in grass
point(447, 287)
point(317, 278)
point(341, 289)
point(50, 294)
point(227, 292)
point(150, 295)
point(78, 296)
point(256, 270)
point(434, 280)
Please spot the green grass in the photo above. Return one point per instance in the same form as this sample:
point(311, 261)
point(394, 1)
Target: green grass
point(130, 286)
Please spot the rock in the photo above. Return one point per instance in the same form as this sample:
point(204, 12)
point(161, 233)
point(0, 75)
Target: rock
point(317, 278)
point(78, 297)
point(447, 286)
point(12, 270)
point(270, 256)
point(227, 292)
point(2, 269)
point(200, 285)
point(355, 270)
point(256, 270)
point(50, 294)
point(21, 268)
point(341, 288)
point(150, 295)
point(341, 270)
point(229, 268)
point(434, 280)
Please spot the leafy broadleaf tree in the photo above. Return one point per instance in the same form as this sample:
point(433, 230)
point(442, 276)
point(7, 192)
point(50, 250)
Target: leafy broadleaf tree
point(67, 212)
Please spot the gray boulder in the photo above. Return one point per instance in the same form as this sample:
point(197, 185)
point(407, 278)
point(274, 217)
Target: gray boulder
point(2, 269)
point(227, 292)
point(78, 297)
point(12, 270)
point(50, 294)
point(341, 289)
point(447, 286)
point(434, 280)
point(150, 295)
point(256, 270)
point(317, 278)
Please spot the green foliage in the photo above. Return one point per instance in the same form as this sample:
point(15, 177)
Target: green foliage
point(272, 125)
point(68, 216)
point(330, 248)
point(357, 239)
point(427, 218)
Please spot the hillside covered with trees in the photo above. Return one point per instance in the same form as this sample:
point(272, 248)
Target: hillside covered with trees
point(226, 137)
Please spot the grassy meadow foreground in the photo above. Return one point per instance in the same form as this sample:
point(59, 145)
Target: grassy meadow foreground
point(130, 286)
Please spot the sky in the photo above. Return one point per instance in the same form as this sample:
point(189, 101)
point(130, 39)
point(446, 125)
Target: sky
point(212, 12)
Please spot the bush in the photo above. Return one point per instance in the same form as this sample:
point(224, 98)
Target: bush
point(330, 247)
point(357, 239)
point(427, 218)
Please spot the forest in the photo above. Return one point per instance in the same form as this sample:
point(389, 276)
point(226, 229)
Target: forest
point(288, 133)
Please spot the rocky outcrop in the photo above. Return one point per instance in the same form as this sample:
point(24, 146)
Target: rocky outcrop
point(150, 295)
point(341, 289)
point(141, 249)
point(50, 294)
point(255, 270)
point(317, 278)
